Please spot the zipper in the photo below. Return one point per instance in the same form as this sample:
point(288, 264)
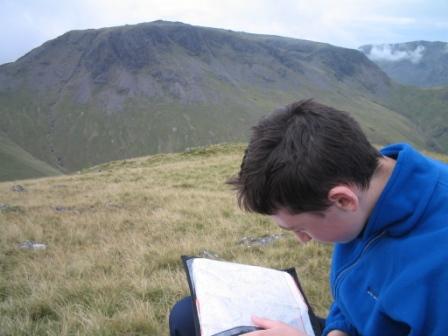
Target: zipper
point(338, 278)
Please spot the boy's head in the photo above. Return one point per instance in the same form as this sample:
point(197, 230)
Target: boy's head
point(297, 154)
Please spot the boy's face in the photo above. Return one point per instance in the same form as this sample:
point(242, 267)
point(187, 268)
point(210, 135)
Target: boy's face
point(334, 225)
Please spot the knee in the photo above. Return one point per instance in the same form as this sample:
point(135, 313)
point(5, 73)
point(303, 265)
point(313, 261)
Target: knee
point(181, 320)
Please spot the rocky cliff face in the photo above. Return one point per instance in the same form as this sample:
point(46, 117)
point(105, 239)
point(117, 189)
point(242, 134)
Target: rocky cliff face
point(162, 59)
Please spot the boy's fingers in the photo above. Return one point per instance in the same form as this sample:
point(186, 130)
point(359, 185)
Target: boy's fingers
point(265, 323)
point(273, 328)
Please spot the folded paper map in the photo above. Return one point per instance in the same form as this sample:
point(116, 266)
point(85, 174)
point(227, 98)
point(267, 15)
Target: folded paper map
point(227, 294)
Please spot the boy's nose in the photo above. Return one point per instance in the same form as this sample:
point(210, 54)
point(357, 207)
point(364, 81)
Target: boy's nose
point(303, 237)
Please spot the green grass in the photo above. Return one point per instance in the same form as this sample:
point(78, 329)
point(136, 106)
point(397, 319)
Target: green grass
point(427, 108)
point(17, 164)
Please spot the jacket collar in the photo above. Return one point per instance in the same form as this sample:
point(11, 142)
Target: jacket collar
point(405, 195)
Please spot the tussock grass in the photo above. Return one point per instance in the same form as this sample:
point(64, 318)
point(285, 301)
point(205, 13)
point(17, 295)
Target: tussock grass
point(115, 234)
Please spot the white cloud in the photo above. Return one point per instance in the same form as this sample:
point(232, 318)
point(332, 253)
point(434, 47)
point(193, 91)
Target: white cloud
point(382, 19)
point(386, 52)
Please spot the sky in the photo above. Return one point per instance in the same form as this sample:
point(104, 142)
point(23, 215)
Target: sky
point(27, 24)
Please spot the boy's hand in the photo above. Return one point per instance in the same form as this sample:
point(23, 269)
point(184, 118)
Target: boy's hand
point(273, 328)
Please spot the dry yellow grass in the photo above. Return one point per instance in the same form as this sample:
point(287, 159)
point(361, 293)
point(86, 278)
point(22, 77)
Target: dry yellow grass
point(115, 234)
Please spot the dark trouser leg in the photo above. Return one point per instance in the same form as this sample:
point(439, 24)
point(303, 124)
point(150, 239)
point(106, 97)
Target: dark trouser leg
point(181, 318)
point(321, 322)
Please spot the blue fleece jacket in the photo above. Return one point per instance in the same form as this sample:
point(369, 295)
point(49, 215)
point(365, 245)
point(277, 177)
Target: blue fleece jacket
point(393, 278)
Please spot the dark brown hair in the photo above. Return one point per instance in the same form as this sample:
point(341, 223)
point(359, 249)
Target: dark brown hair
point(297, 154)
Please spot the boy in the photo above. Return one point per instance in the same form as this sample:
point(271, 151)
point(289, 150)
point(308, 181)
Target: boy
point(311, 168)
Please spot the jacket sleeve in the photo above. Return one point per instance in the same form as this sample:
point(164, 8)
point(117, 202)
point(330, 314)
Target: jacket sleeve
point(337, 321)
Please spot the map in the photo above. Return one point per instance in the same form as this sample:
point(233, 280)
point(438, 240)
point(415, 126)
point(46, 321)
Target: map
point(228, 294)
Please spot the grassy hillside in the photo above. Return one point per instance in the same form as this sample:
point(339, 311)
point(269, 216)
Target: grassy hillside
point(115, 234)
point(17, 164)
point(427, 108)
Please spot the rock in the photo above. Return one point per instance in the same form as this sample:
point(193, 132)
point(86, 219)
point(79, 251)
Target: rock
point(31, 245)
point(260, 241)
point(10, 208)
point(18, 188)
point(60, 209)
point(208, 254)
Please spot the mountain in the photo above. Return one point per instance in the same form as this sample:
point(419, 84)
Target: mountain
point(18, 164)
point(419, 63)
point(98, 95)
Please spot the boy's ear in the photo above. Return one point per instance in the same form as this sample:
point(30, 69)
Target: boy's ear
point(344, 198)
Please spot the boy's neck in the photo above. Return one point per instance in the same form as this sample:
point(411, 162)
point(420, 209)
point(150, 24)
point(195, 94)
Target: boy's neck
point(378, 182)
